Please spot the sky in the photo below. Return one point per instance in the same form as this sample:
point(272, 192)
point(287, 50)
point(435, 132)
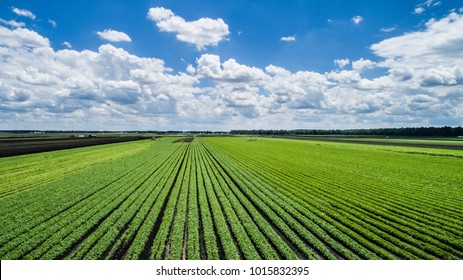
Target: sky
point(230, 64)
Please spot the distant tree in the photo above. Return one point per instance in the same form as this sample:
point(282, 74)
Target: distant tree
point(445, 131)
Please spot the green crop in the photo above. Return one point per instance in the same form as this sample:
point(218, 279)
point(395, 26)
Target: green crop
point(229, 198)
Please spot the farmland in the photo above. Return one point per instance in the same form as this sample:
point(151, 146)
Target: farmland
point(13, 146)
point(233, 198)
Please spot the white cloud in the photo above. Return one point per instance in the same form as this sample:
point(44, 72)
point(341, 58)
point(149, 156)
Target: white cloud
point(430, 3)
point(12, 23)
point(288, 38)
point(419, 10)
point(190, 69)
point(67, 44)
point(300, 90)
point(440, 44)
point(357, 19)
point(387, 29)
point(110, 88)
point(24, 13)
point(104, 88)
point(251, 93)
point(201, 33)
point(52, 23)
point(341, 63)
point(21, 37)
point(421, 7)
point(362, 64)
point(344, 76)
point(113, 36)
point(159, 14)
point(277, 71)
point(442, 75)
point(209, 66)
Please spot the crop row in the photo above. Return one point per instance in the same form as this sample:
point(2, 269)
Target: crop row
point(333, 202)
point(228, 198)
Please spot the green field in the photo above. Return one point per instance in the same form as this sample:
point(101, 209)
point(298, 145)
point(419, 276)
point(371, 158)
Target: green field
point(233, 198)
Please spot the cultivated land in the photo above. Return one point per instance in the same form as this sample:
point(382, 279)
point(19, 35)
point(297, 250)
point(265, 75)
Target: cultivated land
point(26, 145)
point(450, 143)
point(233, 198)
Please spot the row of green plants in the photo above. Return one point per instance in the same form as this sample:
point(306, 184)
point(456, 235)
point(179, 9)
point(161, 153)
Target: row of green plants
point(334, 199)
point(65, 216)
point(21, 173)
point(228, 198)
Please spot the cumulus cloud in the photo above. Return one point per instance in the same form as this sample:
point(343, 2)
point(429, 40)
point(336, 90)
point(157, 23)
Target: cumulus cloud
point(21, 37)
point(110, 88)
point(288, 38)
point(209, 66)
point(252, 93)
point(12, 23)
point(357, 19)
point(440, 44)
point(344, 76)
point(93, 88)
point(300, 90)
point(114, 36)
point(341, 63)
point(362, 64)
point(24, 13)
point(190, 69)
point(201, 33)
point(442, 75)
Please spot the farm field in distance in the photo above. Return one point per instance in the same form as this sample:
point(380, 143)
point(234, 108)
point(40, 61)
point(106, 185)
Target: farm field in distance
point(233, 198)
point(27, 145)
point(418, 142)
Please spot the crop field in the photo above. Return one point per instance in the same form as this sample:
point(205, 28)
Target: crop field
point(233, 198)
point(417, 142)
point(27, 145)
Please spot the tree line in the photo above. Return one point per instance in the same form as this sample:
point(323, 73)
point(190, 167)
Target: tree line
point(445, 131)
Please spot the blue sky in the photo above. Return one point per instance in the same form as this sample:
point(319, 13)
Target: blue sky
point(220, 65)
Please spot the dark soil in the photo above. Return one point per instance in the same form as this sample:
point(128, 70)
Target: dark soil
point(187, 139)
